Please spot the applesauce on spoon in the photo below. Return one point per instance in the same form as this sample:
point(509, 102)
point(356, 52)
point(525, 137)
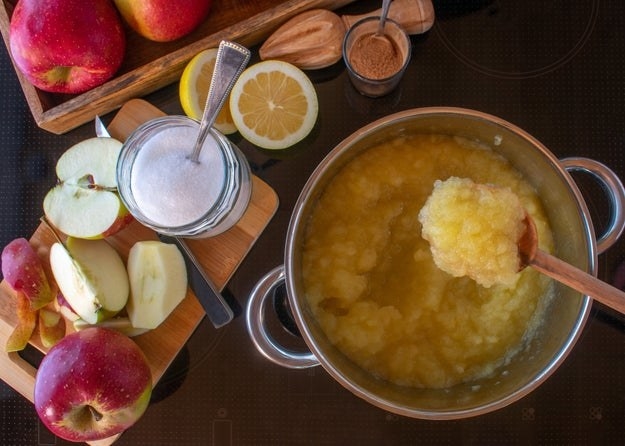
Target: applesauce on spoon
point(372, 283)
point(474, 230)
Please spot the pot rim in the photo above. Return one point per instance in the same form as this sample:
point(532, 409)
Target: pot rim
point(297, 220)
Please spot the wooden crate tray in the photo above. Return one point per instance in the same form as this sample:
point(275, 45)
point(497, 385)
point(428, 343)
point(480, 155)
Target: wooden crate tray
point(150, 66)
point(220, 256)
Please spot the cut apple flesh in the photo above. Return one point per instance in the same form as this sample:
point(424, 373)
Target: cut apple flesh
point(51, 327)
point(85, 203)
point(121, 324)
point(92, 277)
point(81, 212)
point(62, 306)
point(158, 282)
point(95, 158)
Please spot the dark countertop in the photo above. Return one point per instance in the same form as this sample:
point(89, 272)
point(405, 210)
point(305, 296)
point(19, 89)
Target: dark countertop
point(554, 68)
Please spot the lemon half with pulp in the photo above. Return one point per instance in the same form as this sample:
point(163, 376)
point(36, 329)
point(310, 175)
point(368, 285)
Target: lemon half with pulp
point(274, 104)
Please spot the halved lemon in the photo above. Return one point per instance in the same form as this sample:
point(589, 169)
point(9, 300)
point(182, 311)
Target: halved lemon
point(274, 104)
point(193, 90)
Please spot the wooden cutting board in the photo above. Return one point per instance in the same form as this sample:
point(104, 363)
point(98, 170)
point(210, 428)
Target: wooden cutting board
point(220, 256)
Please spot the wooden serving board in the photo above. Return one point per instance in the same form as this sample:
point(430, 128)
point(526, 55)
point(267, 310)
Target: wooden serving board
point(149, 66)
point(220, 256)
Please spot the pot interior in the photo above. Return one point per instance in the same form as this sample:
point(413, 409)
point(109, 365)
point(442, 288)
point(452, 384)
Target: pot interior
point(567, 311)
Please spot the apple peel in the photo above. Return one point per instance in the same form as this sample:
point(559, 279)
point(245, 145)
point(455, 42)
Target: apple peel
point(23, 271)
point(26, 323)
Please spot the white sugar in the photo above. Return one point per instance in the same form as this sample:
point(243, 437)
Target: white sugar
point(170, 189)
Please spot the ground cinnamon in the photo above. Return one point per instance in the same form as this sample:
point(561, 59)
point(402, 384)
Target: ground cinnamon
point(375, 56)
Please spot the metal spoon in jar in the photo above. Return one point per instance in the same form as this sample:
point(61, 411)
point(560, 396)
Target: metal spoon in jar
point(386, 4)
point(564, 272)
point(231, 60)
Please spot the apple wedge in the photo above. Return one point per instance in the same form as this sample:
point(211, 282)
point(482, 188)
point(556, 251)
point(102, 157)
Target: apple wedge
point(121, 324)
point(158, 282)
point(92, 277)
point(85, 202)
point(51, 327)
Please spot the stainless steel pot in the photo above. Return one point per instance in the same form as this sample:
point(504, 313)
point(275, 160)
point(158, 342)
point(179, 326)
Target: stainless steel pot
point(574, 240)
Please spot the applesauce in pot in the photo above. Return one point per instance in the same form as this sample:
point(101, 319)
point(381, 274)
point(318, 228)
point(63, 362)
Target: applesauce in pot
point(374, 288)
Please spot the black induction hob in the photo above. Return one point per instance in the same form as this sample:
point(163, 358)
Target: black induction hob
point(553, 67)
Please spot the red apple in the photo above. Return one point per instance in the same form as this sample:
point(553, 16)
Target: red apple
point(163, 20)
point(92, 384)
point(66, 46)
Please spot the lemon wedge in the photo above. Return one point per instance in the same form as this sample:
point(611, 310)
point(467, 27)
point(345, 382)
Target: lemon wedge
point(274, 104)
point(193, 90)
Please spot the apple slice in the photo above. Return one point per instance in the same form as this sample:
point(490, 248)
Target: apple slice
point(51, 327)
point(26, 322)
point(158, 282)
point(62, 306)
point(85, 203)
point(92, 277)
point(121, 324)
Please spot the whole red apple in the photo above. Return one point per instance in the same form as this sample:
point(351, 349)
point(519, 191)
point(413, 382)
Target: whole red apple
point(66, 46)
point(163, 20)
point(92, 384)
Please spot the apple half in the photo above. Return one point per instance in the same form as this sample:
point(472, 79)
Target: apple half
point(85, 202)
point(92, 277)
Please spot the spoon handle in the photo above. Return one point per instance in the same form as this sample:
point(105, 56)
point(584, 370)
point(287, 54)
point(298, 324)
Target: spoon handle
point(231, 60)
point(579, 280)
point(386, 4)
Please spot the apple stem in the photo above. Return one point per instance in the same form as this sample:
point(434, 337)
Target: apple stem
point(96, 415)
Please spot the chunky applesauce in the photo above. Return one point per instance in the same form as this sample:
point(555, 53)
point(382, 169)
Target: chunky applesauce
point(474, 230)
point(372, 284)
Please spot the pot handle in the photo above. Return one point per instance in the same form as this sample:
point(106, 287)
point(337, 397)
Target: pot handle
point(255, 321)
point(616, 195)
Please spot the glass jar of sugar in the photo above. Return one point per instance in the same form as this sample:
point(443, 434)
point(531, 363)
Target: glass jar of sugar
point(166, 191)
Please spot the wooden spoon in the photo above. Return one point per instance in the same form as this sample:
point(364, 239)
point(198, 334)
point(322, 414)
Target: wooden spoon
point(566, 273)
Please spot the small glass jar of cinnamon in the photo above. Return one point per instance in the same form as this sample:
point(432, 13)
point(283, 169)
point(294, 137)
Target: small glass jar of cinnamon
point(376, 62)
